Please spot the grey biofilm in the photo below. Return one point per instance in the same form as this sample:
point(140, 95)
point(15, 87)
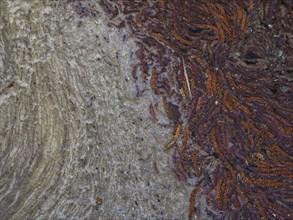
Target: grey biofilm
point(71, 127)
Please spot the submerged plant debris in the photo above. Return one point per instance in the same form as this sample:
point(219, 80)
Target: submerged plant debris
point(222, 69)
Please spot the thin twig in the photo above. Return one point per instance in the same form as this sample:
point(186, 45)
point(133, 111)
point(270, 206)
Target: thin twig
point(186, 77)
point(6, 87)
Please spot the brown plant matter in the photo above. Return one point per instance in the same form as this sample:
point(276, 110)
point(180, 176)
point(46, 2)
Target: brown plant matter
point(224, 71)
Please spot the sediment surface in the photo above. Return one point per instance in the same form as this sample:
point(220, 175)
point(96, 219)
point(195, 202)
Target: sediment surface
point(71, 127)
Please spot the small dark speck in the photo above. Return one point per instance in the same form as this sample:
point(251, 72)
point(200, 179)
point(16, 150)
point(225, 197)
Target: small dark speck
point(195, 30)
point(215, 155)
point(251, 55)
